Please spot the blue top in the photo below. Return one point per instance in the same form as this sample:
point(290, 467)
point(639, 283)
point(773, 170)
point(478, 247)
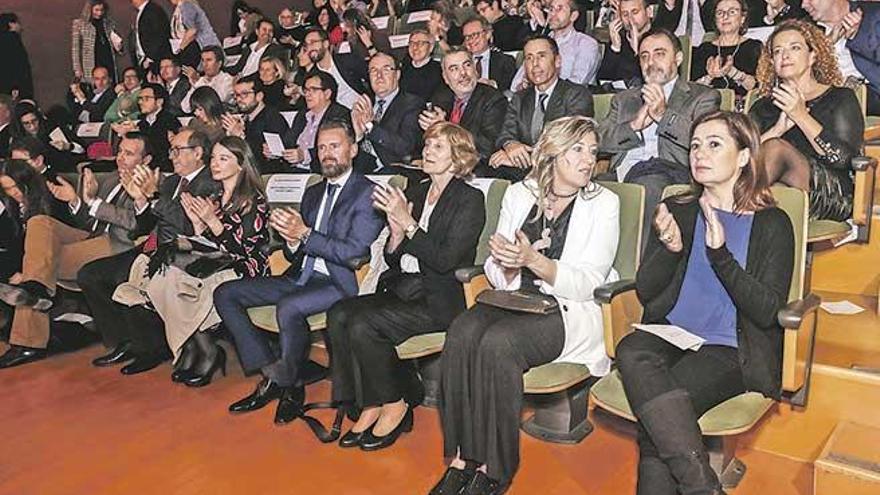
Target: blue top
point(704, 307)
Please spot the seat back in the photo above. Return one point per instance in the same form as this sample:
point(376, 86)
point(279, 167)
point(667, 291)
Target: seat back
point(601, 106)
point(728, 99)
point(632, 210)
point(413, 20)
point(684, 70)
point(493, 191)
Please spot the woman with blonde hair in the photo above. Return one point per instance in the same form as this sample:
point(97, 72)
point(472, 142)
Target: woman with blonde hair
point(555, 243)
point(273, 73)
point(719, 266)
point(434, 226)
point(94, 41)
point(811, 126)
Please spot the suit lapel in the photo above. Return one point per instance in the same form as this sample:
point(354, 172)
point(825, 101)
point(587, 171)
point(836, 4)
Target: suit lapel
point(555, 102)
point(527, 109)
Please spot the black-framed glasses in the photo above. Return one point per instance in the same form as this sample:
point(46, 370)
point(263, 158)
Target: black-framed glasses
point(175, 151)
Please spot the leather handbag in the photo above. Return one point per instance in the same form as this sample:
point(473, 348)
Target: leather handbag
point(519, 301)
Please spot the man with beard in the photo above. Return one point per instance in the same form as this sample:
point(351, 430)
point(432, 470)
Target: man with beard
point(349, 70)
point(336, 222)
point(620, 62)
point(477, 107)
point(254, 120)
point(648, 128)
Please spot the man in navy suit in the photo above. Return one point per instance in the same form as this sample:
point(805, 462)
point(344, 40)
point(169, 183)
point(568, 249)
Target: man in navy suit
point(336, 223)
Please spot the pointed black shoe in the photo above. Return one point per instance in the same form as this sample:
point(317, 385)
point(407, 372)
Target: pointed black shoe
point(142, 364)
point(370, 442)
point(266, 392)
point(183, 368)
point(290, 405)
point(29, 293)
point(18, 355)
point(120, 354)
point(453, 481)
point(481, 484)
point(194, 379)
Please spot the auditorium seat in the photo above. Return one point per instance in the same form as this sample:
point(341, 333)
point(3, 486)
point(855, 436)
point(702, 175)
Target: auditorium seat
point(722, 424)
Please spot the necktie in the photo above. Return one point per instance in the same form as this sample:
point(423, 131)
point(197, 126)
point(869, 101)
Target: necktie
point(182, 187)
point(538, 117)
point(480, 66)
point(457, 111)
point(153, 240)
point(309, 264)
point(380, 111)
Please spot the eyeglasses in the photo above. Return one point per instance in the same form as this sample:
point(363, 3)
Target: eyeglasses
point(473, 36)
point(243, 94)
point(145, 97)
point(312, 89)
point(419, 43)
point(172, 152)
point(385, 70)
point(728, 13)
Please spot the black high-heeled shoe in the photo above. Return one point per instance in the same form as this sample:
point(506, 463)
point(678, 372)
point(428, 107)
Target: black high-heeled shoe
point(370, 442)
point(185, 368)
point(219, 363)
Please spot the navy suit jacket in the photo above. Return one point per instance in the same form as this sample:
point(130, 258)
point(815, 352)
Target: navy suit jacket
point(354, 225)
point(865, 46)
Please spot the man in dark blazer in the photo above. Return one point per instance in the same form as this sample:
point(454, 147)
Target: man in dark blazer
point(419, 74)
point(155, 123)
point(6, 104)
point(300, 153)
point(103, 216)
point(336, 222)
point(477, 107)
point(493, 67)
point(254, 120)
point(348, 69)
point(387, 127)
point(508, 32)
point(148, 41)
point(89, 103)
point(175, 84)
point(264, 46)
point(160, 215)
point(546, 99)
point(648, 128)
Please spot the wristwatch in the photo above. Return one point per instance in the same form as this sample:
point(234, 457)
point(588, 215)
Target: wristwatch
point(411, 230)
point(368, 127)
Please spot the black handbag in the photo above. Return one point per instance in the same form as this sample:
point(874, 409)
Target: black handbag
point(520, 301)
point(208, 265)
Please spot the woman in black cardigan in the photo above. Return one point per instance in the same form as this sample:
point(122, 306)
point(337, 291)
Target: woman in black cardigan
point(720, 267)
point(434, 229)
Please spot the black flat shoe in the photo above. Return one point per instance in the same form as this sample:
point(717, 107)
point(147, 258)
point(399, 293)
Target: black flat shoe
point(290, 405)
point(142, 364)
point(351, 439)
point(218, 364)
point(266, 392)
point(370, 442)
point(453, 481)
point(120, 354)
point(18, 355)
point(29, 293)
point(481, 484)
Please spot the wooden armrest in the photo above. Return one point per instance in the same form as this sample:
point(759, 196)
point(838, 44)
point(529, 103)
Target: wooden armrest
point(359, 262)
point(792, 315)
point(605, 293)
point(620, 309)
point(862, 163)
point(798, 319)
point(465, 275)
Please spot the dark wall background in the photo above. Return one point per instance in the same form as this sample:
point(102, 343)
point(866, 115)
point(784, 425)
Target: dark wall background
point(47, 24)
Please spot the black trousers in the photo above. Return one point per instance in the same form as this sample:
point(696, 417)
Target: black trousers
point(487, 350)
point(363, 333)
point(118, 323)
point(650, 367)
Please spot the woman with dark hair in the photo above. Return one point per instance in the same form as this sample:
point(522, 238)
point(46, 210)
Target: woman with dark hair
point(811, 126)
point(731, 59)
point(207, 113)
point(61, 155)
point(237, 224)
point(15, 78)
point(718, 266)
point(326, 18)
point(243, 20)
point(555, 242)
point(94, 41)
point(363, 38)
point(434, 229)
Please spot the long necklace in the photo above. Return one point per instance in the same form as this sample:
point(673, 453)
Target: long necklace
point(732, 57)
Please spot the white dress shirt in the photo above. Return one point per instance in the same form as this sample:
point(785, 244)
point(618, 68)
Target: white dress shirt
point(649, 137)
point(345, 95)
point(320, 264)
point(580, 58)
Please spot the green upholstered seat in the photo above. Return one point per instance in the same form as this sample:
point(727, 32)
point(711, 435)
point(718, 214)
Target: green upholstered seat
point(553, 377)
point(601, 106)
point(734, 415)
point(264, 317)
point(421, 345)
point(822, 230)
point(632, 207)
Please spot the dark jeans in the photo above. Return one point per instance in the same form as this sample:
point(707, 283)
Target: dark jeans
point(363, 334)
point(651, 367)
point(487, 350)
point(293, 305)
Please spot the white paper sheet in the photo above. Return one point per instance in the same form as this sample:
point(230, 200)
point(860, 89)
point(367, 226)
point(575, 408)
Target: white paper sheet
point(231, 41)
point(381, 22)
point(677, 336)
point(58, 135)
point(74, 318)
point(344, 47)
point(482, 184)
point(380, 179)
point(289, 116)
point(116, 40)
point(398, 40)
point(286, 188)
point(89, 129)
point(420, 16)
point(184, 121)
point(273, 141)
point(841, 307)
point(175, 45)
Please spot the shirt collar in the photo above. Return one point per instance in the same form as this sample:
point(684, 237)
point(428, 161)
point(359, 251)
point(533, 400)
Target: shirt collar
point(319, 115)
point(668, 87)
point(142, 7)
point(548, 91)
point(422, 64)
point(389, 98)
point(562, 37)
point(189, 178)
point(341, 180)
point(485, 54)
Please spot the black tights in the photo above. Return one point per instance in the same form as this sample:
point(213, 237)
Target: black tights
point(786, 164)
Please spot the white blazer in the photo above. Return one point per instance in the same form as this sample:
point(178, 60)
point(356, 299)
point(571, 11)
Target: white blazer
point(585, 264)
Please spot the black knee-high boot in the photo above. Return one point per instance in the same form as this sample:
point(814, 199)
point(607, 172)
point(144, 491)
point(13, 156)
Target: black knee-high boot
point(654, 476)
point(670, 421)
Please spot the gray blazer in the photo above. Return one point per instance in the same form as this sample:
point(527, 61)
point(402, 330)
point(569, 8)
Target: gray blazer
point(687, 102)
point(568, 99)
point(119, 214)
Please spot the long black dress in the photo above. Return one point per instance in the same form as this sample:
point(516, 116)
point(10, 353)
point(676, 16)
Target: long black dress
point(831, 176)
point(745, 58)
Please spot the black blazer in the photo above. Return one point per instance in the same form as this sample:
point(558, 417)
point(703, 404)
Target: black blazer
point(353, 70)
point(157, 135)
point(166, 213)
point(423, 81)
point(509, 33)
point(502, 68)
point(97, 109)
point(397, 137)
point(759, 291)
point(450, 243)
point(5, 140)
point(273, 50)
point(334, 112)
point(176, 96)
point(268, 120)
point(11, 243)
point(567, 99)
point(154, 30)
point(482, 116)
